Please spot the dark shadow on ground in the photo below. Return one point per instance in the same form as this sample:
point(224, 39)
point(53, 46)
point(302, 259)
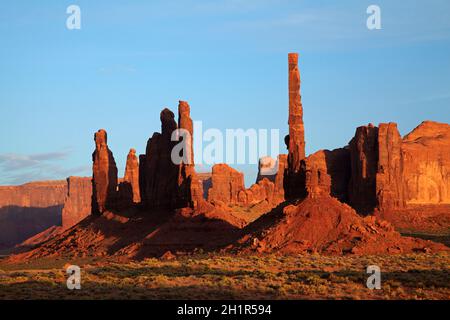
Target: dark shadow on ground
point(20, 223)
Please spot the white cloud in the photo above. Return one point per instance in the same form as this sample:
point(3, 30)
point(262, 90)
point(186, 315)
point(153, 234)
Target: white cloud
point(21, 168)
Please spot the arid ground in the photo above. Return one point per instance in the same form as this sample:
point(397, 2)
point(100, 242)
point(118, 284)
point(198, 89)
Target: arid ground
point(214, 276)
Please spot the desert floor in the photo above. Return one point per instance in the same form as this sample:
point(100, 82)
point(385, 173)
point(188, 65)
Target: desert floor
point(216, 276)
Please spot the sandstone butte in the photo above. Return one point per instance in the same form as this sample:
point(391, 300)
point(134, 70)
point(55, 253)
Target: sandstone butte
point(333, 202)
point(30, 209)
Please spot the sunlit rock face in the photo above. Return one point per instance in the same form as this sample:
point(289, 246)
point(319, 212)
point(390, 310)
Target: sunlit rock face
point(426, 153)
point(296, 139)
point(77, 204)
point(226, 185)
point(104, 175)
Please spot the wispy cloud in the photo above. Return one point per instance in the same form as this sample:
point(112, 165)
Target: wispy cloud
point(14, 161)
point(21, 168)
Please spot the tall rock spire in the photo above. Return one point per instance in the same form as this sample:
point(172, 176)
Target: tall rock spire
point(296, 139)
point(104, 169)
point(190, 187)
point(132, 175)
point(296, 126)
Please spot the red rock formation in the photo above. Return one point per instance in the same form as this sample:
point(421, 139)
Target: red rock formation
point(339, 169)
point(279, 193)
point(364, 162)
point(318, 181)
point(159, 174)
point(29, 209)
point(296, 139)
point(377, 169)
point(104, 179)
point(258, 192)
point(77, 204)
point(327, 173)
point(132, 175)
point(189, 184)
point(226, 184)
point(426, 155)
point(389, 178)
point(325, 225)
point(165, 183)
point(142, 171)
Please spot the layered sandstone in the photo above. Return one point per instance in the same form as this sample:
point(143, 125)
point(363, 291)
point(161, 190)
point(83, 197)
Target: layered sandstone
point(40, 194)
point(78, 201)
point(29, 209)
point(389, 178)
point(364, 161)
point(226, 185)
point(426, 153)
point(104, 178)
point(376, 168)
point(296, 138)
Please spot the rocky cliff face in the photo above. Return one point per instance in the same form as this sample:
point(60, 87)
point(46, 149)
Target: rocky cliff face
point(29, 209)
point(257, 193)
point(389, 178)
point(77, 204)
point(364, 161)
point(104, 178)
point(39, 194)
point(328, 173)
point(226, 185)
point(388, 172)
point(426, 154)
point(376, 168)
point(318, 181)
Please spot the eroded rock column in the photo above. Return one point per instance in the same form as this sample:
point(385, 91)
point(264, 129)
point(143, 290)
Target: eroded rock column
point(104, 180)
point(159, 174)
point(132, 175)
point(296, 138)
point(190, 185)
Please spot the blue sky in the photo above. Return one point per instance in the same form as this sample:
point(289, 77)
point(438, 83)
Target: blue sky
point(227, 58)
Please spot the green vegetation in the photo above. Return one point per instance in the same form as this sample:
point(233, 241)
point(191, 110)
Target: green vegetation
point(214, 276)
